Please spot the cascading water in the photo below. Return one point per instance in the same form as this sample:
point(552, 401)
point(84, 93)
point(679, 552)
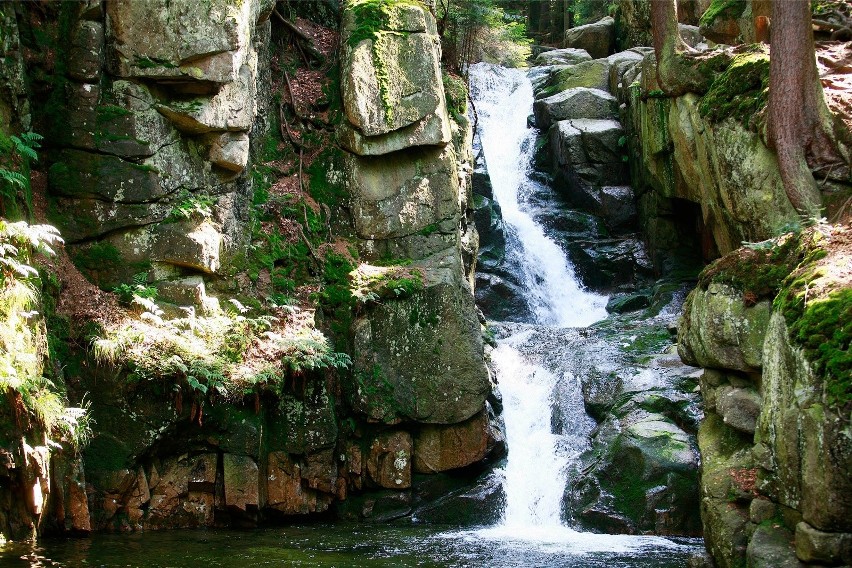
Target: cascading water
point(504, 99)
point(535, 474)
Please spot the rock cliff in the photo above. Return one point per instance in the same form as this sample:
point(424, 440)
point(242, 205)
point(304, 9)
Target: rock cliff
point(296, 244)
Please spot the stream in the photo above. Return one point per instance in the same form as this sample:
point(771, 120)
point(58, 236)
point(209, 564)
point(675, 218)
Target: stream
point(541, 361)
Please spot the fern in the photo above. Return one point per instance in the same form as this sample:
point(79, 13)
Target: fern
point(15, 179)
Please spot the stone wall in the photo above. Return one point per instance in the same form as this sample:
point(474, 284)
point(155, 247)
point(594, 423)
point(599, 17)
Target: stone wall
point(776, 456)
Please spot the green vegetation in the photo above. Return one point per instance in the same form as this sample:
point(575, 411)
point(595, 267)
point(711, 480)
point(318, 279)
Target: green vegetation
point(481, 30)
point(373, 20)
point(816, 302)
point(456, 92)
point(373, 283)
point(798, 271)
point(22, 338)
point(741, 92)
point(16, 154)
point(193, 206)
point(758, 270)
point(227, 354)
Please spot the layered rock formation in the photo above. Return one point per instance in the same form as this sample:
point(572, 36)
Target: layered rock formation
point(154, 119)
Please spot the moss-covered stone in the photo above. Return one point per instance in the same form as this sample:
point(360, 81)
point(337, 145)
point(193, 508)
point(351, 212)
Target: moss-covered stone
point(741, 92)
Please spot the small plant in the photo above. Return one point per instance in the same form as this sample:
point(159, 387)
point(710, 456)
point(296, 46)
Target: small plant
point(193, 206)
point(18, 151)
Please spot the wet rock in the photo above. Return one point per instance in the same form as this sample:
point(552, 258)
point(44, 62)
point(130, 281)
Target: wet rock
point(598, 39)
point(569, 56)
point(320, 471)
point(646, 481)
point(389, 460)
point(606, 263)
point(240, 475)
point(172, 504)
point(440, 448)
point(627, 303)
point(481, 504)
point(501, 298)
point(285, 492)
point(579, 102)
point(587, 154)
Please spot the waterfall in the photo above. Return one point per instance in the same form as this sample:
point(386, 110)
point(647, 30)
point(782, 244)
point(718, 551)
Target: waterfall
point(504, 99)
point(537, 467)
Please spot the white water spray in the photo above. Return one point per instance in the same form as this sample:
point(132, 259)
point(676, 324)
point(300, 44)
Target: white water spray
point(504, 99)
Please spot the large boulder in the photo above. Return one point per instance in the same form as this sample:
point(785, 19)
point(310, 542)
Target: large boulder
point(568, 56)
point(155, 42)
point(579, 102)
point(598, 38)
point(590, 74)
point(443, 447)
point(404, 193)
point(393, 95)
point(420, 358)
point(720, 331)
point(588, 152)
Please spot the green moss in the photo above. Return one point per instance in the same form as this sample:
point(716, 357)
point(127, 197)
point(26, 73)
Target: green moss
point(721, 9)
point(373, 20)
point(98, 256)
point(822, 327)
point(153, 63)
point(759, 270)
point(326, 174)
point(456, 93)
point(741, 92)
point(428, 230)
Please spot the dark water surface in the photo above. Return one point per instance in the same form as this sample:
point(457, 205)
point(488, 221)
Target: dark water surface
point(348, 545)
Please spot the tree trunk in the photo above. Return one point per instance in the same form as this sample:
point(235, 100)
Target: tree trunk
point(557, 27)
point(799, 120)
point(667, 43)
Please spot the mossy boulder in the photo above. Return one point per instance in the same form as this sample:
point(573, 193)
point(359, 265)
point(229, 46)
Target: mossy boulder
point(393, 95)
point(718, 330)
point(590, 74)
point(420, 359)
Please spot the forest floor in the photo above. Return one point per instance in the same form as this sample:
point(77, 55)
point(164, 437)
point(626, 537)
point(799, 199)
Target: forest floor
point(834, 61)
